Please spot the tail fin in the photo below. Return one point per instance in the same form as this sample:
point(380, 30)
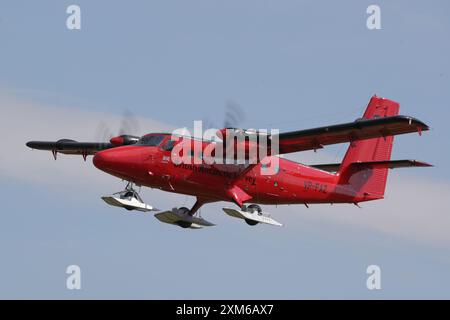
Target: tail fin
point(369, 182)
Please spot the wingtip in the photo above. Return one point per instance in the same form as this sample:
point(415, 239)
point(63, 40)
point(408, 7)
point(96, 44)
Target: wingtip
point(418, 123)
point(422, 164)
point(423, 125)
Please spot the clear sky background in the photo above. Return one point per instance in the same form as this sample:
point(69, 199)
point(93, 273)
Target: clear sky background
point(290, 65)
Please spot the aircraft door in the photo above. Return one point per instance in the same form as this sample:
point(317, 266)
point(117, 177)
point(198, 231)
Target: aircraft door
point(165, 165)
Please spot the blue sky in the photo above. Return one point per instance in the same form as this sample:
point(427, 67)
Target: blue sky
point(290, 65)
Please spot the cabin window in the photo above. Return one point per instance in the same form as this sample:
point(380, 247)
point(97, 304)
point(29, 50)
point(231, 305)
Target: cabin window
point(151, 140)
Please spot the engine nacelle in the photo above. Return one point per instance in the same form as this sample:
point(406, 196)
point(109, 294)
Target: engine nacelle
point(124, 140)
point(247, 141)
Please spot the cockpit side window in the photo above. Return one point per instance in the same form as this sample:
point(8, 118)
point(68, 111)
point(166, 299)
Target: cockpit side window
point(151, 140)
point(169, 145)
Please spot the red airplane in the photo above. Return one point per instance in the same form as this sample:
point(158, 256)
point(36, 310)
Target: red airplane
point(147, 161)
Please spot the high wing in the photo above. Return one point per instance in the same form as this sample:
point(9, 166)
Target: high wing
point(67, 146)
point(317, 138)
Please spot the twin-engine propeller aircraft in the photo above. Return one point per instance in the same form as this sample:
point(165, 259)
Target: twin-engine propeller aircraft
point(148, 161)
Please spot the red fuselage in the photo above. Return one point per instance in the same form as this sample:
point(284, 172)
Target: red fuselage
point(294, 183)
point(153, 161)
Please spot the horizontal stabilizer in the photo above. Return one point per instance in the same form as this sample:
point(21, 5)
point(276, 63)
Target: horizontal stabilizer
point(392, 164)
point(389, 164)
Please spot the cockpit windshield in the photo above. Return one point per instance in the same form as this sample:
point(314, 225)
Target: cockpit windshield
point(151, 140)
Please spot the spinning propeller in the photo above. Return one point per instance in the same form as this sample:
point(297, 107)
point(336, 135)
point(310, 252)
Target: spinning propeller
point(128, 132)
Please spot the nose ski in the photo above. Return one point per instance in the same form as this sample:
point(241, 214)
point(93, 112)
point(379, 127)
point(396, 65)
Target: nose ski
point(128, 199)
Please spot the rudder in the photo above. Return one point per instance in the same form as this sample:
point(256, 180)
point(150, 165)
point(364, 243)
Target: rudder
point(369, 183)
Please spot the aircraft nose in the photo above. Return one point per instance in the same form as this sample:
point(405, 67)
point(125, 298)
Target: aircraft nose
point(102, 160)
point(121, 160)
